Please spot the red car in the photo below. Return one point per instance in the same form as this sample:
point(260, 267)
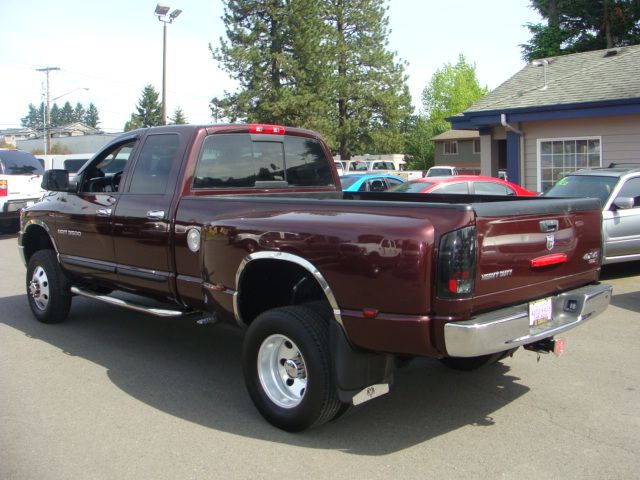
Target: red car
point(463, 184)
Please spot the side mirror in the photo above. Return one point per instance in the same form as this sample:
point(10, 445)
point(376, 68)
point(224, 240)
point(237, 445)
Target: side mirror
point(624, 203)
point(56, 180)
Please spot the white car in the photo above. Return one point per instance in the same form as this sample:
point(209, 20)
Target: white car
point(20, 178)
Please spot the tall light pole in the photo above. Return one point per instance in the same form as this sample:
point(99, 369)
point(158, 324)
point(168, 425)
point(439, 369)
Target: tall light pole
point(47, 111)
point(161, 12)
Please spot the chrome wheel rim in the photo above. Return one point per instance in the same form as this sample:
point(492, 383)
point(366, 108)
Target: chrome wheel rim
point(39, 288)
point(282, 371)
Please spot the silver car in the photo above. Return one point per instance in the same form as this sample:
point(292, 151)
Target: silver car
point(618, 189)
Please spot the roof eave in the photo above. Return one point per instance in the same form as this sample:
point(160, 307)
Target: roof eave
point(473, 120)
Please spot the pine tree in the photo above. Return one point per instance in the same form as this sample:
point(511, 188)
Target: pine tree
point(316, 64)
point(582, 25)
point(66, 114)
point(34, 119)
point(79, 113)
point(370, 96)
point(178, 118)
point(148, 111)
point(91, 117)
point(54, 115)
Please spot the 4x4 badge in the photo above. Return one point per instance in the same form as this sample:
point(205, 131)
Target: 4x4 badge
point(551, 241)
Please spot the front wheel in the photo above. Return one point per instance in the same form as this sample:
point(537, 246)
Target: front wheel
point(287, 368)
point(47, 288)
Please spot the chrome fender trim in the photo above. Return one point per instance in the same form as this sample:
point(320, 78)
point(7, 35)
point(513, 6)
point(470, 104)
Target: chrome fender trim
point(285, 257)
point(23, 230)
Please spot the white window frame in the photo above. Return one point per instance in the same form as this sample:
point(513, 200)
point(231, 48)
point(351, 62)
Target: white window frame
point(452, 143)
point(478, 150)
point(539, 143)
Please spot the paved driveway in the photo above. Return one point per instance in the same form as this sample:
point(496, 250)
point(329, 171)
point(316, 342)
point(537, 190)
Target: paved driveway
point(111, 394)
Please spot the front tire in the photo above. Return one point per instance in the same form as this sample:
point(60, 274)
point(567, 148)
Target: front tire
point(287, 368)
point(47, 288)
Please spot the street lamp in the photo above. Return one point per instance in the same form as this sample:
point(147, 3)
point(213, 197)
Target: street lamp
point(161, 12)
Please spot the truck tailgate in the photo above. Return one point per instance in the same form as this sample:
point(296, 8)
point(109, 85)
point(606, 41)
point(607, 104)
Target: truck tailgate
point(539, 249)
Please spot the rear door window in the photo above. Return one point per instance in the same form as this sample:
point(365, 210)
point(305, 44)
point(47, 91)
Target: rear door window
point(492, 188)
point(14, 162)
point(241, 160)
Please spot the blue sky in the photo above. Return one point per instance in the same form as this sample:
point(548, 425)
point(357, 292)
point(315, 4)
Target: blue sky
point(115, 48)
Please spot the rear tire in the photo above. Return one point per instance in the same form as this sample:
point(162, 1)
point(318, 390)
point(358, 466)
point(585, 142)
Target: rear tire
point(48, 291)
point(287, 368)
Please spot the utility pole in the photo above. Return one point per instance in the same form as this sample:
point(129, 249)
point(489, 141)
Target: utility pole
point(47, 111)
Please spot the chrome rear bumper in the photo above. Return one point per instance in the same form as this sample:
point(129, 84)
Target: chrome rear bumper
point(508, 328)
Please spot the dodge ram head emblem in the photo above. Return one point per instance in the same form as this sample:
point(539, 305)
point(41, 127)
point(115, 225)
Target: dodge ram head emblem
point(551, 241)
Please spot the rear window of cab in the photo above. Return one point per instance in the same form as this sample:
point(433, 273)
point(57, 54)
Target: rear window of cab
point(245, 160)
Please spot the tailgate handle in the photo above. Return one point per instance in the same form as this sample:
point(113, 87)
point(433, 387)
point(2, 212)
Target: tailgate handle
point(547, 226)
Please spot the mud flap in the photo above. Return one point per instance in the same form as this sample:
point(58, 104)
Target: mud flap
point(359, 375)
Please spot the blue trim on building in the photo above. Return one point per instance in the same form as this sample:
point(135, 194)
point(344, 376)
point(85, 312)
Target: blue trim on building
point(513, 157)
point(489, 118)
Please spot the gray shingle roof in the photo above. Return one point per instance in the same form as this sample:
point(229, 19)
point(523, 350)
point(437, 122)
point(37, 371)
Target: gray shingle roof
point(599, 75)
point(458, 135)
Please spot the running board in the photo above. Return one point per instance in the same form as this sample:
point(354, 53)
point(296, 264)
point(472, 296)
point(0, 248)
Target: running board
point(118, 302)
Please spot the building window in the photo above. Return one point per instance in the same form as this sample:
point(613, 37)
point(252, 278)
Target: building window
point(560, 156)
point(451, 148)
point(476, 146)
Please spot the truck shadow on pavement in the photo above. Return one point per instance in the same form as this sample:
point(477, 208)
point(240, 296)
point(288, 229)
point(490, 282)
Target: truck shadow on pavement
point(194, 373)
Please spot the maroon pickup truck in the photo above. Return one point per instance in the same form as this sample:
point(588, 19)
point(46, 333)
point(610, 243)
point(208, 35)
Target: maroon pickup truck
point(247, 224)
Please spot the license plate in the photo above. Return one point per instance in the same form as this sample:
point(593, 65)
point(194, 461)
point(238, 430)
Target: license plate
point(540, 311)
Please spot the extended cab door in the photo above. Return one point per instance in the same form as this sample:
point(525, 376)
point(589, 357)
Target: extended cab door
point(83, 223)
point(142, 217)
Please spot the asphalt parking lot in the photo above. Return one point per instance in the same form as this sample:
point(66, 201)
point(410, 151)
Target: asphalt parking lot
point(111, 394)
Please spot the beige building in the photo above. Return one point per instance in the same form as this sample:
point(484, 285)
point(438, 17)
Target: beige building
point(558, 115)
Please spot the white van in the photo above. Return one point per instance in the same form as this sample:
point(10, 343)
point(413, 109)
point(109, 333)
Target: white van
point(20, 178)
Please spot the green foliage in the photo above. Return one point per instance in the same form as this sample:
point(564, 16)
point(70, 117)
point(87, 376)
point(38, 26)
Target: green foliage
point(178, 118)
point(582, 25)
point(148, 110)
point(60, 116)
point(418, 150)
point(451, 90)
point(316, 64)
point(66, 115)
point(92, 117)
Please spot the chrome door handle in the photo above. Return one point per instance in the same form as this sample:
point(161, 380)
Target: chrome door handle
point(155, 214)
point(103, 212)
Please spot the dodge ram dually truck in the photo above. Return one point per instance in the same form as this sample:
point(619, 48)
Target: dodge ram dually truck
point(247, 224)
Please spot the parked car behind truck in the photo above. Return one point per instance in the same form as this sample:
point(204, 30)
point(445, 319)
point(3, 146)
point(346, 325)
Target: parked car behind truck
point(466, 279)
point(618, 189)
point(20, 178)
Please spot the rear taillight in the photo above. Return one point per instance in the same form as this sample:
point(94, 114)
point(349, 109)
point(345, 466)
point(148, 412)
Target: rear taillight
point(457, 264)
point(4, 188)
point(262, 128)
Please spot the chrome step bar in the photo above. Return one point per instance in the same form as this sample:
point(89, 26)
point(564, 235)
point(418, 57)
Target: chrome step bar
point(118, 302)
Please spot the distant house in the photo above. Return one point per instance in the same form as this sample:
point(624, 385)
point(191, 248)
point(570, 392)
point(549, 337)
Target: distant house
point(458, 148)
point(73, 130)
point(74, 138)
point(11, 135)
point(560, 114)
